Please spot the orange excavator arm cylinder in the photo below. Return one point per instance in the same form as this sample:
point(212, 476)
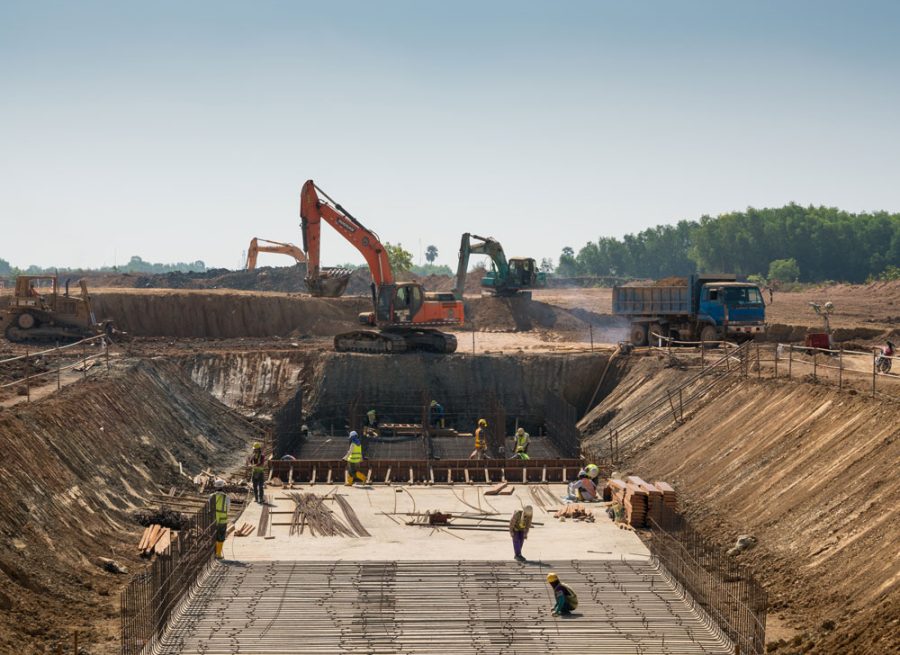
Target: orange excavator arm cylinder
point(313, 211)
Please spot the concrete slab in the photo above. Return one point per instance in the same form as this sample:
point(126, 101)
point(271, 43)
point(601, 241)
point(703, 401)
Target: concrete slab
point(384, 510)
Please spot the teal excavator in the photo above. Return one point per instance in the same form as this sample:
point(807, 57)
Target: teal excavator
point(515, 276)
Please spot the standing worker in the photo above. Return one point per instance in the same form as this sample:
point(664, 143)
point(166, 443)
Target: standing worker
point(221, 504)
point(566, 598)
point(354, 459)
point(481, 435)
point(436, 414)
point(523, 440)
point(372, 422)
point(258, 473)
point(519, 525)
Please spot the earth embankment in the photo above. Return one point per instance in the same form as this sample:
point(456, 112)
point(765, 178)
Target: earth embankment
point(74, 468)
point(809, 470)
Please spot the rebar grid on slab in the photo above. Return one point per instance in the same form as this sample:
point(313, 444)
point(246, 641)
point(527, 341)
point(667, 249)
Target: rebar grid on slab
point(426, 608)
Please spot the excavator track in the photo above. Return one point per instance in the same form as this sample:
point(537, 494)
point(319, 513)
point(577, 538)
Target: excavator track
point(395, 342)
point(45, 334)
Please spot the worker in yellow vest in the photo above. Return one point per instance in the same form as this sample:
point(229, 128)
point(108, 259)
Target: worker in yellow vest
point(220, 504)
point(258, 473)
point(481, 436)
point(354, 460)
point(519, 525)
point(523, 440)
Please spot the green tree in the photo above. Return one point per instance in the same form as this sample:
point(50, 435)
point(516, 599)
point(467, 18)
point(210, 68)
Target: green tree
point(5, 268)
point(431, 253)
point(784, 270)
point(567, 264)
point(401, 260)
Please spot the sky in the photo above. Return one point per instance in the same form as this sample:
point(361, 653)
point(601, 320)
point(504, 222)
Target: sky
point(177, 131)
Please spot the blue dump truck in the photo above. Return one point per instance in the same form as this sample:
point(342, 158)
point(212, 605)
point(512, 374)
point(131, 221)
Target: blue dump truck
point(699, 307)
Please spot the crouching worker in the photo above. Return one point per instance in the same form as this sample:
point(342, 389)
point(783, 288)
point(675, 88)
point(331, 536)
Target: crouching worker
point(519, 525)
point(220, 503)
point(354, 461)
point(583, 488)
point(566, 600)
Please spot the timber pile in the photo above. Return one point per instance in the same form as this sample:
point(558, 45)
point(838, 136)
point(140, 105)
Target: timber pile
point(575, 512)
point(243, 530)
point(155, 539)
point(502, 489)
point(654, 498)
point(632, 498)
point(670, 497)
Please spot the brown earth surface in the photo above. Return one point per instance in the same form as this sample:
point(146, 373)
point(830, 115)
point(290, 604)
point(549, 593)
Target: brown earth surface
point(810, 471)
point(74, 468)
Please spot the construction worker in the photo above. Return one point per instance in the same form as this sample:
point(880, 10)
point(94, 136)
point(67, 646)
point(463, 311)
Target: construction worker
point(583, 489)
point(522, 442)
point(220, 503)
point(519, 525)
point(372, 421)
point(436, 414)
point(566, 599)
point(481, 435)
point(354, 459)
point(258, 473)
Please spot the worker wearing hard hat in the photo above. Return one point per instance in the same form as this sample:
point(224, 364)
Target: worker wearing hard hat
point(258, 473)
point(481, 435)
point(519, 525)
point(565, 598)
point(583, 488)
point(220, 504)
point(354, 461)
point(523, 440)
point(593, 472)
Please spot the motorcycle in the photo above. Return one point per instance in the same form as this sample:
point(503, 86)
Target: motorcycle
point(884, 360)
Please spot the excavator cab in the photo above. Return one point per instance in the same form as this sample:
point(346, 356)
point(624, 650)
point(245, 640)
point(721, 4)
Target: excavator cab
point(395, 304)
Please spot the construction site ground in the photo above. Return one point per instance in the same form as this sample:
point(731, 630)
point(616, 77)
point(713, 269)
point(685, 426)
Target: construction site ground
point(806, 468)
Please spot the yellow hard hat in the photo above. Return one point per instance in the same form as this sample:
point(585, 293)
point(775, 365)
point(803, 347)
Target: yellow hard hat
point(552, 577)
point(433, 403)
point(256, 445)
point(482, 422)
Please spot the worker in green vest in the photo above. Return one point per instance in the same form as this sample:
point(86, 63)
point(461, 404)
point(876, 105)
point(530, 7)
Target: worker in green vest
point(258, 473)
point(220, 504)
point(354, 461)
point(523, 440)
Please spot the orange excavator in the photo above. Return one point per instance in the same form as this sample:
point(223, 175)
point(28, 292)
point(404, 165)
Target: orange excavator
point(275, 247)
point(405, 315)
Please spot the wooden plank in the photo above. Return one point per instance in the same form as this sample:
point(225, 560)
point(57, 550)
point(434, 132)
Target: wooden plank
point(524, 475)
point(487, 477)
point(449, 476)
point(144, 537)
point(496, 489)
point(312, 480)
point(544, 475)
point(431, 474)
point(468, 481)
point(328, 480)
point(502, 474)
point(387, 476)
point(412, 478)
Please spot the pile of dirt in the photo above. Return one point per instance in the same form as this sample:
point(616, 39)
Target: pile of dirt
point(219, 314)
point(75, 467)
point(810, 471)
point(519, 314)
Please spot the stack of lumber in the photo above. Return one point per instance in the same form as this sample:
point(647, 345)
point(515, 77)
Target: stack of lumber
point(654, 498)
point(670, 497)
point(155, 539)
point(632, 498)
point(576, 512)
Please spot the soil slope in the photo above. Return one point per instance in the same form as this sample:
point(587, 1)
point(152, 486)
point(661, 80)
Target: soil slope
point(808, 470)
point(74, 467)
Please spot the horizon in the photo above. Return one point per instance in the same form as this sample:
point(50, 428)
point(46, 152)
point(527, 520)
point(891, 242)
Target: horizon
point(178, 133)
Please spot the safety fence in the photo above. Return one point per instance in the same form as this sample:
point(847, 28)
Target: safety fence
point(147, 603)
point(59, 356)
point(881, 373)
point(726, 591)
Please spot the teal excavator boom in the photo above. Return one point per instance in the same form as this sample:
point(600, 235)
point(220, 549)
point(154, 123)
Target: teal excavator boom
point(507, 277)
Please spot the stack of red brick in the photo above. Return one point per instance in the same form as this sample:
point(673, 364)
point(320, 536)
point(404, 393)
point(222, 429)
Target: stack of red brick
point(641, 500)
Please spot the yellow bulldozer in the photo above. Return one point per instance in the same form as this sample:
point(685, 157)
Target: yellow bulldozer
point(39, 312)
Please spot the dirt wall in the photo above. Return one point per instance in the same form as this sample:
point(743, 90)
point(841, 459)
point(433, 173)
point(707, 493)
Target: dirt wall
point(74, 467)
point(809, 471)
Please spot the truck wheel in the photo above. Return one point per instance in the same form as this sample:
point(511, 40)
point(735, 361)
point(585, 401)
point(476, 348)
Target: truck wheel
point(638, 334)
point(709, 333)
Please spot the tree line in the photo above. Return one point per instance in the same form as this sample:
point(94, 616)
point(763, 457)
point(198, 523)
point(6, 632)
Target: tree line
point(824, 242)
point(134, 265)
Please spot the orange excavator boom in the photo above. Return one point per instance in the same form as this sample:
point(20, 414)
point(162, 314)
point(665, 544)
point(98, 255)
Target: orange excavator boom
point(276, 247)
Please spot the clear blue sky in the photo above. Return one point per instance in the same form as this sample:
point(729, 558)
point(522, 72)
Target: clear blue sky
point(179, 130)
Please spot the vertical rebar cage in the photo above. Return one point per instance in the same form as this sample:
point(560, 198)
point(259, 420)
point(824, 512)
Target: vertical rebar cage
point(150, 598)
